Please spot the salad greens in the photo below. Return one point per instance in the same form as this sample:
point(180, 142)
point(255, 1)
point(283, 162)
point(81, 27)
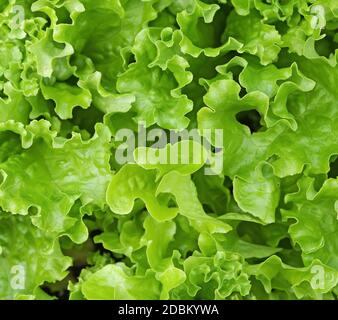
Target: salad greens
point(76, 223)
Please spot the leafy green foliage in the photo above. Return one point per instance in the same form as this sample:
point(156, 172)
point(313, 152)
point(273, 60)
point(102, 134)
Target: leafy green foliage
point(75, 223)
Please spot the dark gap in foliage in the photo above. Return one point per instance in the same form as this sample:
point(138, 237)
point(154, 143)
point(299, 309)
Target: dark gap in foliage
point(57, 289)
point(230, 55)
point(229, 185)
point(120, 258)
point(101, 249)
point(47, 290)
point(3, 95)
point(113, 164)
point(284, 58)
point(131, 59)
point(319, 181)
point(172, 203)
point(79, 254)
point(205, 67)
point(202, 68)
point(251, 232)
point(63, 15)
point(207, 290)
point(10, 144)
point(164, 19)
point(65, 296)
point(207, 208)
point(33, 211)
point(98, 247)
point(326, 46)
point(251, 119)
point(73, 80)
point(273, 158)
point(278, 214)
point(75, 271)
point(236, 71)
point(281, 27)
point(44, 16)
point(255, 260)
point(59, 45)
point(279, 82)
point(40, 118)
point(208, 1)
point(213, 195)
point(287, 184)
point(242, 92)
point(333, 172)
point(2, 177)
point(48, 23)
point(293, 256)
point(214, 30)
point(94, 233)
point(189, 253)
point(195, 92)
point(285, 243)
point(212, 148)
point(86, 119)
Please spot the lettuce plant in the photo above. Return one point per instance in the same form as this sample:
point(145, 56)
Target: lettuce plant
point(77, 223)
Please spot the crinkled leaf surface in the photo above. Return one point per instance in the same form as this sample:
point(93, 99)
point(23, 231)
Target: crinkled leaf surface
point(73, 73)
